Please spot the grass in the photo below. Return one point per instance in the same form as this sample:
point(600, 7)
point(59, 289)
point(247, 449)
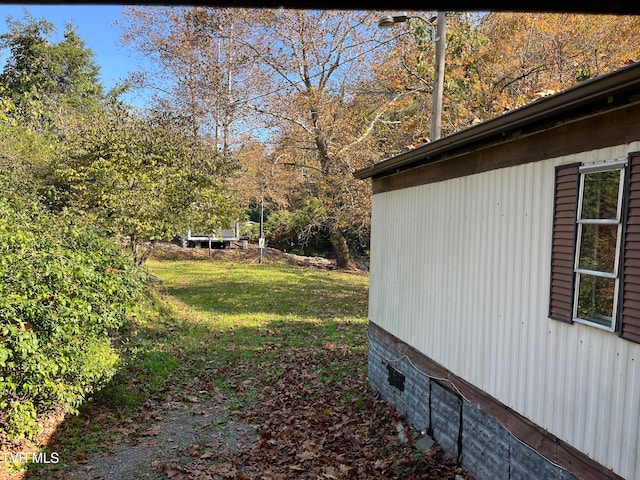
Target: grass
point(254, 293)
point(221, 327)
point(241, 314)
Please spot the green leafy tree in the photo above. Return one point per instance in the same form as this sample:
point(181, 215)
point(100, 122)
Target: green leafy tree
point(302, 231)
point(142, 179)
point(64, 286)
point(47, 80)
point(22, 144)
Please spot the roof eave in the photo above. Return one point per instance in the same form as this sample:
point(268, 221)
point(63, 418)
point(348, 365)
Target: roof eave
point(591, 91)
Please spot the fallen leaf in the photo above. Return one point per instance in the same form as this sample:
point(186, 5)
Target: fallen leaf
point(306, 455)
point(155, 431)
point(329, 473)
point(173, 472)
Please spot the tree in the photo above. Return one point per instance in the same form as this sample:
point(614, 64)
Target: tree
point(330, 95)
point(549, 52)
point(141, 178)
point(196, 69)
point(263, 177)
point(312, 61)
point(295, 69)
point(45, 80)
point(496, 62)
point(64, 289)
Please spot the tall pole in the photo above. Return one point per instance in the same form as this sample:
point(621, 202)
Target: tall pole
point(440, 35)
point(438, 81)
point(261, 239)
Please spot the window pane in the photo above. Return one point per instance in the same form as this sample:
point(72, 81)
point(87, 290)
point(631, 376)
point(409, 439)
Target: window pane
point(595, 299)
point(598, 247)
point(600, 195)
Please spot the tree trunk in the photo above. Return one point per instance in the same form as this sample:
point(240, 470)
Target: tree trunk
point(340, 248)
point(141, 258)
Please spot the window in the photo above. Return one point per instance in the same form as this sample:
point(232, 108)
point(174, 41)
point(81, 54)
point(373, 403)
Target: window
point(595, 257)
point(599, 228)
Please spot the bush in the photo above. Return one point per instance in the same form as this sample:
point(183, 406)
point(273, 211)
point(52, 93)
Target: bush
point(63, 289)
point(304, 230)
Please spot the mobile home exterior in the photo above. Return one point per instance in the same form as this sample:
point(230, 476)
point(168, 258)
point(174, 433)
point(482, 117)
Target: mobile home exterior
point(507, 324)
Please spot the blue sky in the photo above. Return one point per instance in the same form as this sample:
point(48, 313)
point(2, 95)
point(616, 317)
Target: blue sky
point(94, 25)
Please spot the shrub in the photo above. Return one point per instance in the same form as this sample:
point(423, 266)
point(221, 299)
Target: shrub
point(304, 230)
point(63, 289)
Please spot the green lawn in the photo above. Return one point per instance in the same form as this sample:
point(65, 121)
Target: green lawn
point(223, 295)
point(281, 349)
point(242, 315)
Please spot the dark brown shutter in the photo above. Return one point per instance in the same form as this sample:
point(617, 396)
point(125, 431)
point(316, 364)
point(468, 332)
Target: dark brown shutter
point(563, 243)
point(630, 288)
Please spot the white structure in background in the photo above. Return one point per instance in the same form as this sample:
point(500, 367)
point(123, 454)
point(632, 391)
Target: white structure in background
point(217, 239)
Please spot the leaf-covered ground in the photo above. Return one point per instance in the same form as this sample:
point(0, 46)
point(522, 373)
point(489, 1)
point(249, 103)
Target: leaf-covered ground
point(252, 371)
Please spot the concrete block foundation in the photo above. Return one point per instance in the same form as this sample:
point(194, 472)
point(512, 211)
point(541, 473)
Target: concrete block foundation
point(483, 446)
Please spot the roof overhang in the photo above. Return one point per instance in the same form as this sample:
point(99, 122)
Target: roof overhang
point(602, 93)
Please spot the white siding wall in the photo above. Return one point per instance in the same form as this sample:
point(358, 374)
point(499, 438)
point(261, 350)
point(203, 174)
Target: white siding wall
point(460, 271)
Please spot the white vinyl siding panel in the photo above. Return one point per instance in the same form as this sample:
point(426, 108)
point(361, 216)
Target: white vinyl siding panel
point(460, 271)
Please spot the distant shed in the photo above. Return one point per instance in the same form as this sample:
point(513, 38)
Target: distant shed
point(506, 322)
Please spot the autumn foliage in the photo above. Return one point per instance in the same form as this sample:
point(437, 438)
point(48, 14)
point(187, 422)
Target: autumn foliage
point(327, 92)
point(246, 108)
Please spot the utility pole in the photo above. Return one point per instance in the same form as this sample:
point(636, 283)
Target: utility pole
point(261, 239)
point(440, 36)
point(438, 81)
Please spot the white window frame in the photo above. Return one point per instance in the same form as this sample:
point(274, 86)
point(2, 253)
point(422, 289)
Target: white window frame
point(621, 165)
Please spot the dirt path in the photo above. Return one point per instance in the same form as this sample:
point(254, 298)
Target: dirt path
point(188, 432)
